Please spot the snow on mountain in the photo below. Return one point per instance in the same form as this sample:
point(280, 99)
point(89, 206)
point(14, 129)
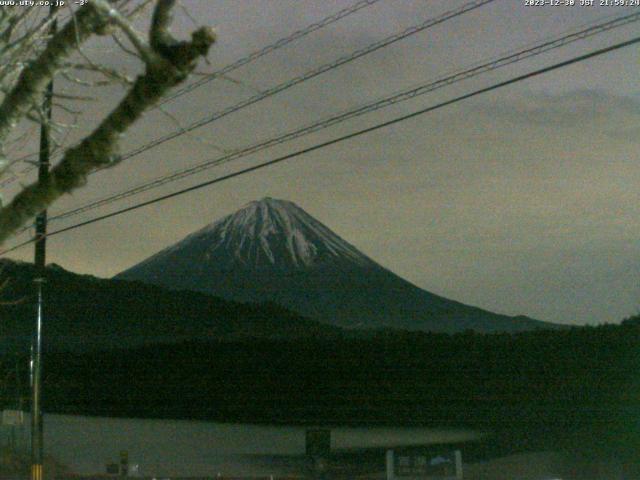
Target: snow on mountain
point(266, 233)
point(272, 250)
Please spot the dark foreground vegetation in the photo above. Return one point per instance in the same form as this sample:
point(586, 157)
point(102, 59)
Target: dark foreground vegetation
point(85, 313)
point(575, 388)
point(126, 349)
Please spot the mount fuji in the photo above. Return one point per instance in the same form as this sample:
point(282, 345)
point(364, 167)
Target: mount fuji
point(272, 250)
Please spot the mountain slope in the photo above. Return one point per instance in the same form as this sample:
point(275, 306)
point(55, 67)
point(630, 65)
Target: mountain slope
point(272, 250)
point(84, 312)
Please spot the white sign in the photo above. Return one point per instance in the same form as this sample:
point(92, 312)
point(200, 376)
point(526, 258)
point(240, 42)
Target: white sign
point(12, 418)
point(423, 464)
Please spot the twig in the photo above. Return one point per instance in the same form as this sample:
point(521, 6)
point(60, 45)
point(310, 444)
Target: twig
point(170, 64)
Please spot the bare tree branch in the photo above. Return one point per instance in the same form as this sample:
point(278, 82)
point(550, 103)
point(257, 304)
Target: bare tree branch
point(124, 48)
point(36, 76)
point(159, 35)
point(146, 52)
point(170, 63)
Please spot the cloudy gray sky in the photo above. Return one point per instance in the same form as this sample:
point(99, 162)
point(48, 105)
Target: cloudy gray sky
point(520, 201)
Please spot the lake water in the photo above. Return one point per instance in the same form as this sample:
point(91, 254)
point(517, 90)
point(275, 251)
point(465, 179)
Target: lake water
point(164, 448)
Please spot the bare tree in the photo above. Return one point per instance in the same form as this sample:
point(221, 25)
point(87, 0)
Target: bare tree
point(30, 57)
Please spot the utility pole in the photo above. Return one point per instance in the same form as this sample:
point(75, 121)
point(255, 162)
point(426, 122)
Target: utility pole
point(37, 453)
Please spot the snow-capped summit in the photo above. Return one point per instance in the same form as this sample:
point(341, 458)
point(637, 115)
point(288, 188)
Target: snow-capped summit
point(270, 233)
point(272, 250)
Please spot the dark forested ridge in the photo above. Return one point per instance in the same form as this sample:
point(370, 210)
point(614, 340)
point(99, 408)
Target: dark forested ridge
point(577, 387)
point(88, 313)
point(84, 312)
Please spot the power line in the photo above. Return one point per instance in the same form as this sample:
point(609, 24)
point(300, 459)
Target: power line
point(359, 111)
point(282, 42)
point(299, 79)
point(270, 48)
point(342, 138)
point(311, 74)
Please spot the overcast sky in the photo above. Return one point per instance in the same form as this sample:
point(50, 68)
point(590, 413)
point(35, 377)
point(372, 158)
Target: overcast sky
point(520, 201)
